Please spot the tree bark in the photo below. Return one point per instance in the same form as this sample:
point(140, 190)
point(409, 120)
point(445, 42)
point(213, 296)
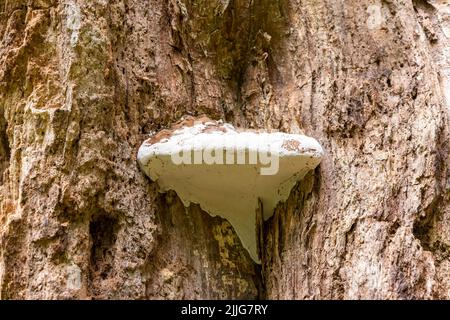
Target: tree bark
point(83, 83)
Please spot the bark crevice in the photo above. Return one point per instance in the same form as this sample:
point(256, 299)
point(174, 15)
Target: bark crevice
point(103, 230)
point(5, 151)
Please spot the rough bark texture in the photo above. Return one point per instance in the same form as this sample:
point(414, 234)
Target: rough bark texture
point(83, 82)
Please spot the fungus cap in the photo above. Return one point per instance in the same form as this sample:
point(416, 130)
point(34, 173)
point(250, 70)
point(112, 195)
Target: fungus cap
point(229, 172)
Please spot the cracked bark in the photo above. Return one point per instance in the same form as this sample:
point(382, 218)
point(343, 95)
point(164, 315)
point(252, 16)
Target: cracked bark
point(82, 83)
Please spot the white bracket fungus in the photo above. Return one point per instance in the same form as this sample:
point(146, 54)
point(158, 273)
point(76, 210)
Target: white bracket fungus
point(228, 172)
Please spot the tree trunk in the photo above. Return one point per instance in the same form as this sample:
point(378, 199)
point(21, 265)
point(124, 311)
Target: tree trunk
point(83, 83)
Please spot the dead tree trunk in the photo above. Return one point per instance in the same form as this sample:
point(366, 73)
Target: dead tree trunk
point(83, 82)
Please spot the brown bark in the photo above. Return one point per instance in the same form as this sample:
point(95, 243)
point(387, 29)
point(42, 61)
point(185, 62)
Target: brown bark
point(83, 82)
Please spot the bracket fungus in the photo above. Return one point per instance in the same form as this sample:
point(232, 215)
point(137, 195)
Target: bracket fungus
point(229, 172)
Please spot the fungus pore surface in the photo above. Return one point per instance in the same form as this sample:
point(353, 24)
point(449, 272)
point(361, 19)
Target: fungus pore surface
point(229, 172)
